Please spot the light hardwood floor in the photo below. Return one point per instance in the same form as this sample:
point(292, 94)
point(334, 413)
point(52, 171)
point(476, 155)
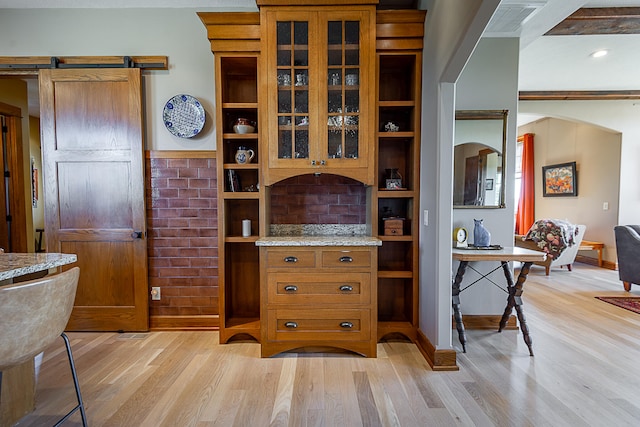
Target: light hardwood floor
point(586, 372)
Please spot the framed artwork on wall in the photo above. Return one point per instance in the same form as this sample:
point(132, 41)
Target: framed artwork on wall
point(488, 184)
point(560, 180)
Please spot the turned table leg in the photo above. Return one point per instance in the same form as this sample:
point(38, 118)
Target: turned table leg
point(455, 298)
point(515, 300)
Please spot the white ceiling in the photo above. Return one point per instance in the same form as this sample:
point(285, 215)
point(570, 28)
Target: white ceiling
point(546, 62)
point(564, 62)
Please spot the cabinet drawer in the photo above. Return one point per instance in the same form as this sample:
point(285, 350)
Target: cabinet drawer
point(318, 325)
point(293, 258)
point(319, 288)
point(346, 258)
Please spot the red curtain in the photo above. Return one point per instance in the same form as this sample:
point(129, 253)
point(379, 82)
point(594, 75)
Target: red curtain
point(525, 212)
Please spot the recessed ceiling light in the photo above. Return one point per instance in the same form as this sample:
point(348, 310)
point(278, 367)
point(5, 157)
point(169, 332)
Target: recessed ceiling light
point(599, 53)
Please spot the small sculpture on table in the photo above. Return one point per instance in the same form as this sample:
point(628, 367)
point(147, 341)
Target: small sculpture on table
point(481, 236)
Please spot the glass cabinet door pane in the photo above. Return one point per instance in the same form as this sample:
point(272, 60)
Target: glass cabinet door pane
point(352, 43)
point(343, 76)
point(284, 42)
point(293, 89)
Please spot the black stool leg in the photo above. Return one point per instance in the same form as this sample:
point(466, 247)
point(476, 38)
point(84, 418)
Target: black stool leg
point(80, 405)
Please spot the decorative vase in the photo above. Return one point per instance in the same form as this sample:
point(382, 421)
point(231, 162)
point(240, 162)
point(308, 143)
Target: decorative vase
point(244, 155)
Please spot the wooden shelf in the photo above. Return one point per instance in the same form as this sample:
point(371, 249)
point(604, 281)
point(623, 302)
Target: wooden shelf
point(240, 239)
point(231, 135)
point(406, 238)
point(403, 134)
point(243, 323)
point(250, 195)
point(238, 166)
point(395, 194)
point(394, 274)
point(385, 104)
point(239, 105)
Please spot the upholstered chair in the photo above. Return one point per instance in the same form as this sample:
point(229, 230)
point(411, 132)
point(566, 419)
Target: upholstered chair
point(566, 258)
point(34, 314)
point(628, 248)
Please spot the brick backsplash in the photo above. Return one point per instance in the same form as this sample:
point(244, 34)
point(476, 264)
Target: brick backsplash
point(182, 222)
point(321, 199)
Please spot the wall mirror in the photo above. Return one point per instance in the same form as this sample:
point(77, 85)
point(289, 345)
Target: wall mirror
point(478, 158)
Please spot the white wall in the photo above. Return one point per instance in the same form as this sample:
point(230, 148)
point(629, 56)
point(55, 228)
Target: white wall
point(490, 82)
point(619, 116)
point(452, 31)
point(176, 33)
point(596, 152)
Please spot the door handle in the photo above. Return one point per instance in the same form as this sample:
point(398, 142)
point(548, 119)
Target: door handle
point(346, 288)
point(290, 325)
point(291, 288)
point(136, 235)
point(346, 325)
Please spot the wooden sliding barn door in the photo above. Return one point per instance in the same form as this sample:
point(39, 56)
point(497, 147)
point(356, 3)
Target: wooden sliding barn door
point(92, 144)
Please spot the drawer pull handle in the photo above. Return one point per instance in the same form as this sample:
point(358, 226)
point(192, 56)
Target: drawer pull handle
point(346, 259)
point(346, 325)
point(290, 259)
point(346, 288)
point(291, 325)
point(291, 288)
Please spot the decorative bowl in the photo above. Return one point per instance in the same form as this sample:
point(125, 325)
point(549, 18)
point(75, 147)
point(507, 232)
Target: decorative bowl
point(243, 128)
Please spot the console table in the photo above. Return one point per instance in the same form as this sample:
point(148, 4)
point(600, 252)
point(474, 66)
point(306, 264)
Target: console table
point(588, 245)
point(515, 289)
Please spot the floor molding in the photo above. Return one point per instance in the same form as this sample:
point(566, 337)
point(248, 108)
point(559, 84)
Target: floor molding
point(184, 323)
point(439, 360)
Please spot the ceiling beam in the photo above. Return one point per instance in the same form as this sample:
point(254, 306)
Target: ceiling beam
point(578, 95)
point(599, 20)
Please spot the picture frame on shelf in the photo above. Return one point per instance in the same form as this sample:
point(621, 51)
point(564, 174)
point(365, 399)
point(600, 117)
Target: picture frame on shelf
point(394, 184)
point(560, 180)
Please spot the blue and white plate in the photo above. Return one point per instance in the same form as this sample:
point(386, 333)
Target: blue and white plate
point(183, 116)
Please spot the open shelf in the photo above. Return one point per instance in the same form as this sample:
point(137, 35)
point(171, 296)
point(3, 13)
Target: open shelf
point(395, 299)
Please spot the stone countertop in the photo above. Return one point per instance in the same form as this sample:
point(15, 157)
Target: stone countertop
point(319, 241)
point(18, 264)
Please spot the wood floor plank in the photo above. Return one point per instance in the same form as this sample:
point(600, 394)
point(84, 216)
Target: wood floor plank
point(284, 394)
point(585, 372)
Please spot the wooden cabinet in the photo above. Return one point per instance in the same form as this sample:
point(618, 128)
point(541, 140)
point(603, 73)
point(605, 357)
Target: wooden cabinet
point(318, 297)
point(235, 43)
point(358, 71)
point(320, 66)
point(399, 56)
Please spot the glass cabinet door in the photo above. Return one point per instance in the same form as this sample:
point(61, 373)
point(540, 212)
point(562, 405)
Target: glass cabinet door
point(319, 75)
point(294, 78)
point(343, 89)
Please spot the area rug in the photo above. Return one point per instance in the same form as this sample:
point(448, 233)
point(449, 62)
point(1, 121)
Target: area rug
point(629, 303)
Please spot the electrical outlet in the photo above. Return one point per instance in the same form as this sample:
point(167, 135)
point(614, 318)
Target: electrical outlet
point(155, 293)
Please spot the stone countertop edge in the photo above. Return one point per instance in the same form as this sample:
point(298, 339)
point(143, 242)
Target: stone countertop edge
point(18, 264)
point(319, 241)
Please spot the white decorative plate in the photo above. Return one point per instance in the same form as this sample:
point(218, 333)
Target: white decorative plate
point(183, 116)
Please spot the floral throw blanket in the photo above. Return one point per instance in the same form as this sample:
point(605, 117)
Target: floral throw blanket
point(552, 235)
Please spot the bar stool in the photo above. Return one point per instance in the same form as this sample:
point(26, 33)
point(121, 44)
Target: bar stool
point(34, 314)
